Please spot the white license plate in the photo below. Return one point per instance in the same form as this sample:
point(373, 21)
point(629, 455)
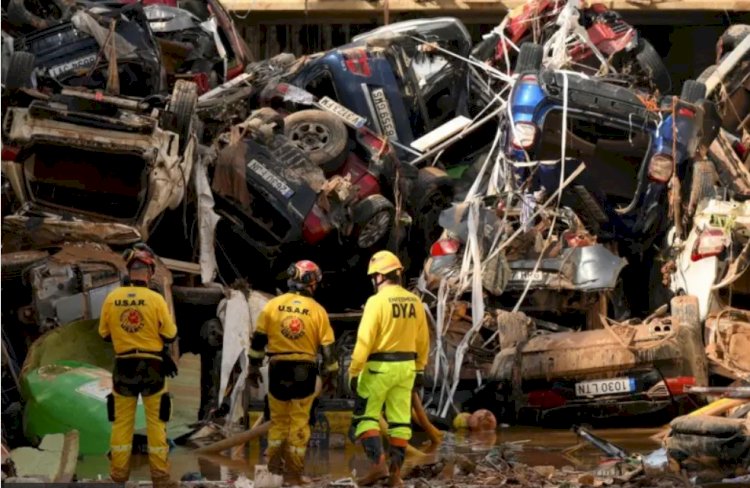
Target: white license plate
point(528, 276)
point(387, 123)
point(613, 386)
point(82, 62)
point(352, 119)
point(270, 178)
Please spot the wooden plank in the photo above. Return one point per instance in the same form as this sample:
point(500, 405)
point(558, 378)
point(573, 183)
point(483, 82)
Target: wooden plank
point(460, 5)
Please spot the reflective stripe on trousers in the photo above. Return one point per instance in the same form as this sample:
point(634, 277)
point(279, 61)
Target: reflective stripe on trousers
point(121, 442)
point(386, 383)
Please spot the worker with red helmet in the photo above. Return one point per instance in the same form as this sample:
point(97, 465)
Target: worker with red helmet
point(290, 330)
point(387, 365)
point(138, 322)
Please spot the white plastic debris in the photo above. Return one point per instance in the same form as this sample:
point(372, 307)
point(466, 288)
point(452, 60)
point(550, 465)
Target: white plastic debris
point(266, 479)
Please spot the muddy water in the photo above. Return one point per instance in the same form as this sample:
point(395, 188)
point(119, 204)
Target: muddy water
point(537, 446)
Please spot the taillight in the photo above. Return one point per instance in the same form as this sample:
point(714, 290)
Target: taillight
point(445, 247)
point(357, 63)
point(281, 88)
point(524, 135)
point(545, 399)
point(369, 140)
point(686, 112)
point(741, 149)
point(660, 168)
point(670, 386)
point(711, 242)
point(9, 153)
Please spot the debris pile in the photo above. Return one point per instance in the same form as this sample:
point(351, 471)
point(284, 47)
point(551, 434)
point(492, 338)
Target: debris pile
point(578, 229)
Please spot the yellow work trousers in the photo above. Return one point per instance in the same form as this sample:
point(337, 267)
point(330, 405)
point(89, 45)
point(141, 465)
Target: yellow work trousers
point(290, 424)
point(389, 384)
point(121, 443)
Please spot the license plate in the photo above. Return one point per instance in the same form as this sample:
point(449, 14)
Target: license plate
point(70, 66)
point(270, 178)
point(349, 117)
point(528, 276)
point(605, 387)
point(384, 114)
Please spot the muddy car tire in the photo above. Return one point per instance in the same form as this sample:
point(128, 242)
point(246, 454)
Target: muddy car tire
point(322, 136)
point(529, 58)
point(732, 37)
point(685, 313)
point(652, 64)
point(702, 182)
point(14, 264)
point(20, 16)
point(373, 218)
point(197, 295)
point(693, 91)
point(181, 110)
point(20, 71)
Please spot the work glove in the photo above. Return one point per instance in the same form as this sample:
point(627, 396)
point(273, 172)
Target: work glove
point(253, 376)
point(353, 385)
point(168, 366)
point(418, 382)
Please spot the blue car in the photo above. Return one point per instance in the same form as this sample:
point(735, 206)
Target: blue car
point(629, 144)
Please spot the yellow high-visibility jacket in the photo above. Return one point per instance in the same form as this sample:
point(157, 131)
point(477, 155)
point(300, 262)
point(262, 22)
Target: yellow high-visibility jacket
point(136, 318)
point(394, 321)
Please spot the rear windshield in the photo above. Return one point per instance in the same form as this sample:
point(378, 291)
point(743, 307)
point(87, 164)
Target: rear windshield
point(613, 154)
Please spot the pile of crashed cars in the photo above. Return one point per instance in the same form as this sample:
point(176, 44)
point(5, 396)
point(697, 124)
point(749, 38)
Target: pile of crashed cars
point(545, 186)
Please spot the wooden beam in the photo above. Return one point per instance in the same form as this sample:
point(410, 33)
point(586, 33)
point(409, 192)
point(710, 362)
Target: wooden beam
point(376, 7)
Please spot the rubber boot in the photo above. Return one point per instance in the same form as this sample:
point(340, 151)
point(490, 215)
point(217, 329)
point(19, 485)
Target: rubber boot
point(294, 461)
point(397, 454)
point(374, 450)
point(163, 480)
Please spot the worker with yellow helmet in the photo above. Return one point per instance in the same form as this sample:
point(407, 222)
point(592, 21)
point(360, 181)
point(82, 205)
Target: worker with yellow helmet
point(387, 364)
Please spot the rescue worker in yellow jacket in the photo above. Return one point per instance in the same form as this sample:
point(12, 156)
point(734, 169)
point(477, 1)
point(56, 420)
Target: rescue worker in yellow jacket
point(387, 364)
point(138, 323)
point(291, 328)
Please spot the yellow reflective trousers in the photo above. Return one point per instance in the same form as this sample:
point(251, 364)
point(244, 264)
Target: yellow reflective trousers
point(290, 423)
point(386, 383)
point(121, 443)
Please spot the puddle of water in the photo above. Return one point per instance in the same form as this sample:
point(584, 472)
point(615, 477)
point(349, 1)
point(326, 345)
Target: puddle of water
point(540, 446)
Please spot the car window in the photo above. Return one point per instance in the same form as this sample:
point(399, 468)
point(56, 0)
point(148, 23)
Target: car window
point(321, 85)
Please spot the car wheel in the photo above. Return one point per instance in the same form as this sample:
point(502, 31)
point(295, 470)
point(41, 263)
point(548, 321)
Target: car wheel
point(373, 217)
point(197, 295)
point(322, 136)
point(435, 192)
point(702, 182)
point(181, 109)
point(653, 65)
point(13, 264)
point(693, 91)
point(529, 57)
point(732, 37)
point(20, 71)
point(685, 313)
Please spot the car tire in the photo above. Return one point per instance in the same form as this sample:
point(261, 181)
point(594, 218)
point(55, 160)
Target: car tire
point(197, 295)
point(706, 73)
point(435, 192)
point(685, 314)
point(181, 109)
point(322, 136)
point(732, 37)
point(20, 71)
point(14, 264)
point(702, 182)
point(373, 219)
point(529, 58)
point(693, 91)
point(652, 64)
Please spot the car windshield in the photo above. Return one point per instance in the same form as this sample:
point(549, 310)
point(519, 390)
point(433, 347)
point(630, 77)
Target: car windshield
point(613, 153)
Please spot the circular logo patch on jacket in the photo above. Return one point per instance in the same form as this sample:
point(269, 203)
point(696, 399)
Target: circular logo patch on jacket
point(292, 328)
point(131, 320)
